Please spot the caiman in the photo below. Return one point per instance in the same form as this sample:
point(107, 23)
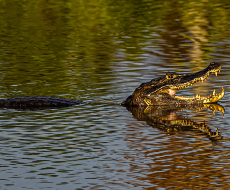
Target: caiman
point(159, 91)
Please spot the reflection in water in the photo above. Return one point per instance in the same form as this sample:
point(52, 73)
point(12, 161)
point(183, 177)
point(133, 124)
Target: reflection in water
point(166, 119)
point(182, 157)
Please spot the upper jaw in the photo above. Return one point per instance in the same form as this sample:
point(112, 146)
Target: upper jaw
point(189, 79)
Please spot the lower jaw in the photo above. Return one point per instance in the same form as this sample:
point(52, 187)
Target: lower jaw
point(209, 99)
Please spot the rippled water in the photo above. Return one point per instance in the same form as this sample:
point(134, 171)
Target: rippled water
point(99, 52)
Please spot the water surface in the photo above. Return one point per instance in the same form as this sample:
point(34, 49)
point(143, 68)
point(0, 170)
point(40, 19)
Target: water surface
point(99, 52)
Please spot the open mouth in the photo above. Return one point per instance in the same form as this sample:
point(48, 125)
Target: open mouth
point(198, 77)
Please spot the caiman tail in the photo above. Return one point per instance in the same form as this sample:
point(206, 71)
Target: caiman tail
point(37, 103)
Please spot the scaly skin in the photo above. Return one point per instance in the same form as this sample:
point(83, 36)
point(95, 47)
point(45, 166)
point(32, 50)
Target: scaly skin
point(36, 103)
point(161, 91)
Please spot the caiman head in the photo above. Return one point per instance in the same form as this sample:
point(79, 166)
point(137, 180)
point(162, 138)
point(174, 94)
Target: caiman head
point(161, 91)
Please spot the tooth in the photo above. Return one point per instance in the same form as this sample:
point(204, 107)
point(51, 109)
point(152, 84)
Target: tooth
point(216, 74)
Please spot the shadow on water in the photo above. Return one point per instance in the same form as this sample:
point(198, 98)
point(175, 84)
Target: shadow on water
point(171, 120)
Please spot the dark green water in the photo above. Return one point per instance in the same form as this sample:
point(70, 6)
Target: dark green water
point(99, 52)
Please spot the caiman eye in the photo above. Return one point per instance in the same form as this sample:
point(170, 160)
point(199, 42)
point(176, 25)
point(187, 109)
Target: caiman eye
point(170, 75)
